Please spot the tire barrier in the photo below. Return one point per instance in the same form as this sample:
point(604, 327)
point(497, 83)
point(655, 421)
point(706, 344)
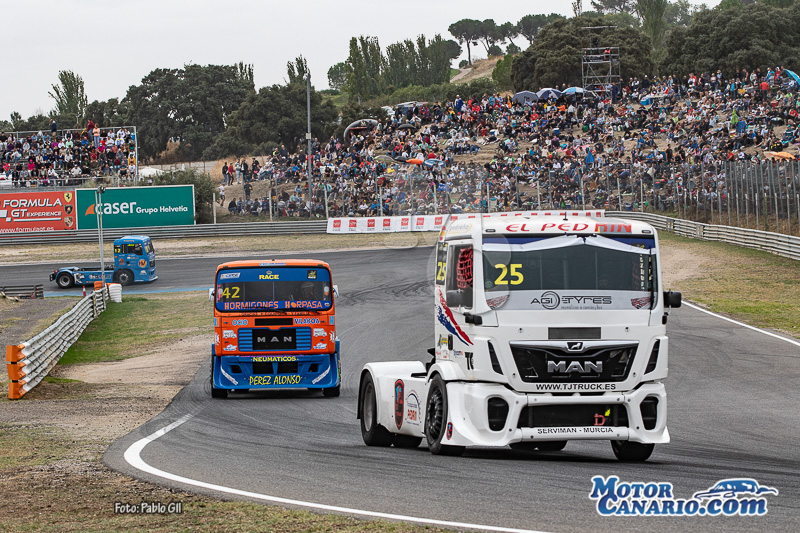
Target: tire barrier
point(23, 292)
point(28, 363)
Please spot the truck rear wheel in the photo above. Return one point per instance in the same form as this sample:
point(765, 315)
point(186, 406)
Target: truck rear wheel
point(124, 277)
point(436, 419)
point(64, 281)
point(373, 433)
point(631, 452)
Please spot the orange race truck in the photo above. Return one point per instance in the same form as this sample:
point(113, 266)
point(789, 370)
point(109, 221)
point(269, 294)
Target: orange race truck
point(274, 327)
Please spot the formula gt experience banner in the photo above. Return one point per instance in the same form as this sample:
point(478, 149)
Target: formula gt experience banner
point(133, 207)
point(24, 212)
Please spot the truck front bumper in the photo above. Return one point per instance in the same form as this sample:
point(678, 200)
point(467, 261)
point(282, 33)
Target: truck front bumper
point(276, 371)
point(608, 416)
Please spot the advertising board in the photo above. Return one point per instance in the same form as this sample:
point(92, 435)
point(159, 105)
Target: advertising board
point(133, 207)
point(24, 212)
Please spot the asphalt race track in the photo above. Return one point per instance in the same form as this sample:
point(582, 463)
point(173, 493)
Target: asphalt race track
point(733, 413)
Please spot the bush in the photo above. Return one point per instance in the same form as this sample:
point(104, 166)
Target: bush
point(204, 189)
point(495, 51)
point(463, 63)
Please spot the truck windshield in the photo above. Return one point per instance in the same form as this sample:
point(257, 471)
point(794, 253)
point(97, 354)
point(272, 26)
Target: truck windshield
point(148, 247)
point(569, 272)
point(273, 288)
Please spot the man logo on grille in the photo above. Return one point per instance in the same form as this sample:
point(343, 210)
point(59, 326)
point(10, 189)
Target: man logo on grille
point(574, 346)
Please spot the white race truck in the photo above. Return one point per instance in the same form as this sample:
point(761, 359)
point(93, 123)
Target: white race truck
point(547, 329)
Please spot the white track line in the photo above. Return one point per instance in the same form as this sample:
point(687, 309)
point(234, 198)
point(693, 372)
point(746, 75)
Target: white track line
point(790, 341)
point(133, 457)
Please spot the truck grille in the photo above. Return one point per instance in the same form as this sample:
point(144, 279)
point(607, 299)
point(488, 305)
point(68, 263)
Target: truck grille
point(549, 364)
point(554, 416)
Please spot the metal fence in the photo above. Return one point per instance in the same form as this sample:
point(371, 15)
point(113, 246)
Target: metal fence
point(25, 292)
point(28, 363)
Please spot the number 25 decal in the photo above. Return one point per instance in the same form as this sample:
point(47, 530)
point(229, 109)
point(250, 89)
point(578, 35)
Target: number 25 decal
point(440, 271)
point(515, 275)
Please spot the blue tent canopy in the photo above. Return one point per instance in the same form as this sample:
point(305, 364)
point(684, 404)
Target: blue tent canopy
point(525, 96)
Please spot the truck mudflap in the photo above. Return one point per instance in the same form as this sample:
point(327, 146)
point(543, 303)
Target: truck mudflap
point(320, 371)
point(485, 414)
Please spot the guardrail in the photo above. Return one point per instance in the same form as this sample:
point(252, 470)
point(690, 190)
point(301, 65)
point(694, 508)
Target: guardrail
point(776, 243)
point(24, 291)
point(169, 232)
point(28, 363)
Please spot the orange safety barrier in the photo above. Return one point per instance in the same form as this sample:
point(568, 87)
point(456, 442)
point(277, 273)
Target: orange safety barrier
point(98, 285)
point(14, 357)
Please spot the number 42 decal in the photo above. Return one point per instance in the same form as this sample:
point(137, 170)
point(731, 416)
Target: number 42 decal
point(516, 276)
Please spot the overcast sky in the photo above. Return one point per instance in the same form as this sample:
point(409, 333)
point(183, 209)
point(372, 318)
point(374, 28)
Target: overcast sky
point(113, 44)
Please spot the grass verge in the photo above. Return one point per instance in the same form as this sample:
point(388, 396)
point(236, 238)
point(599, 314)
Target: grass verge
point(58, 484)
point(140, 325)
point(756, 287)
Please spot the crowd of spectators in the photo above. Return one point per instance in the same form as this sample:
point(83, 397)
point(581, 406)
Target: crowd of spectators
point(660, 141)
point(69, 157)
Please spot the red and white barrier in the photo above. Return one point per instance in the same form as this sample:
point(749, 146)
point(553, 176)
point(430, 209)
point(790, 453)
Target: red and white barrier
point(430, 222)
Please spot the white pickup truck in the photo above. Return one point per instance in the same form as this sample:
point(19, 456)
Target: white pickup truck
point(547, 329)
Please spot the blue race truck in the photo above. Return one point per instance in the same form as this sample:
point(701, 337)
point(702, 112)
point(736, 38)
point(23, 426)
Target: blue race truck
point(134, 261)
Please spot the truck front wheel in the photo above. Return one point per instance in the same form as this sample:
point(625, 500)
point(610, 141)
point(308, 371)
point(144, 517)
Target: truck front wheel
point(124, 277)
point(64, 281)
point(373, 433)
point(631, 452)
point(216, 393)
point(436, 419)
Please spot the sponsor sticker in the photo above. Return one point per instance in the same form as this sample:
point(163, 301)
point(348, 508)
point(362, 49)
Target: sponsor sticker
point(229, 275)
point(399, 403)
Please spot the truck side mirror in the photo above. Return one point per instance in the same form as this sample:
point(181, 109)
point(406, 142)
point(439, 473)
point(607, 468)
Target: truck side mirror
point(672, 299)
point(454, 298)
point(211, 294)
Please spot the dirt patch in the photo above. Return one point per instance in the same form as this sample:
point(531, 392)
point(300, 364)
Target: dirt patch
point(481, 68)
point(21, 320)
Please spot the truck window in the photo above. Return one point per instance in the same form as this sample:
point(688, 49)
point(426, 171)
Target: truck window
point(273, 288)
point(137, 249)
point(459, 271)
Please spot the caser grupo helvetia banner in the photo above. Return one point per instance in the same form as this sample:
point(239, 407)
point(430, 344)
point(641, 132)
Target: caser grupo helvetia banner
point(134, 207)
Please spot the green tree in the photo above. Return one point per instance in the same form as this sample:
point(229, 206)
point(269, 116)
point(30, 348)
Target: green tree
point(190, 105)
point(555, 56)
point(754, 36)
point(337, 76)
point(608, 7)
point(298, 70)
point(679, 13)
point(466, 32)
point(244, 72)
point(70, 97)
point(488, 34)
point(653, 23)
point(529, 25)
point(204, 189)
point(273, 116)
point(365, 67)
point(502, 73)
point(109, 113)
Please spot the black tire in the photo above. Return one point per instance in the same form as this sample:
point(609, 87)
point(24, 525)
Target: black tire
point(332, 392)
point(436, 419)
point(216, 393)
point(631, 452)
point(65, 281)
point(406, 441)
point(373, 433)
point(124, 277)
point(551, 446)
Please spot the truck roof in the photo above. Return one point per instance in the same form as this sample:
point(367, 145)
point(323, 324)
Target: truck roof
point(131, 238)
point(544, 225)
point(249, 263)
